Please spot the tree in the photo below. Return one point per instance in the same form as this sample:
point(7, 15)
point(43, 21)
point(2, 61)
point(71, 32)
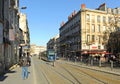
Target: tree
point(112, 27)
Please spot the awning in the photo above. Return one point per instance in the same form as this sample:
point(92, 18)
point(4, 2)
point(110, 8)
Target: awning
point(96, 53)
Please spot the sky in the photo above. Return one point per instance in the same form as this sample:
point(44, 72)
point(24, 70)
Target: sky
point(45, 16)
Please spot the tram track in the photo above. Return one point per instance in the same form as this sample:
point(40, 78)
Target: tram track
point(80, 74)
point(41, 75)
point(75, 80)
point(92, 76)
point(65, 76)
point(99, 77)
point(44, 74)
point(72, 75)
point(65, 73)
point(62, 75)
point(54, 76)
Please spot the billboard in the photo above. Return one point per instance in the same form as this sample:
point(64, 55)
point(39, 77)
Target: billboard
point(51, 55)
point(1, 33)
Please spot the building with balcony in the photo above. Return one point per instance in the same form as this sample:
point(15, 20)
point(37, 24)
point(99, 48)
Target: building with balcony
point(53, 43)
point(23, 24)
point(87, 30)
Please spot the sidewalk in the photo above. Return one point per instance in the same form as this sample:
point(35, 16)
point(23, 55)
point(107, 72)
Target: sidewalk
point(115, 71)
point(14, 76)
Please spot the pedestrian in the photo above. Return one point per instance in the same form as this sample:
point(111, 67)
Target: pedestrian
point(24, 65)
point(28, 59)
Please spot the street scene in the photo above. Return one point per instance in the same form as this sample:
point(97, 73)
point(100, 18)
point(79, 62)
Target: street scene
point(64, 72)
point(59, 42)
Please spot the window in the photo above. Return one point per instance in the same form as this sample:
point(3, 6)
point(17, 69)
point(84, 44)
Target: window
point(93, 38)
point(88, 17)
point(98, 19)
point(88, 28)
point(99, 47)
point(88, 38)
point(98, 28)
point(104, 19)
point(99, 39)
point(109, 19)
point(104, 28)
point(93, 28)
point(93, 18)
point(1, 8)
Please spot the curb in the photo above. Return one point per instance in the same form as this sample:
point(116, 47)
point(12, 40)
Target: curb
point(100, 70)
point(93, 68)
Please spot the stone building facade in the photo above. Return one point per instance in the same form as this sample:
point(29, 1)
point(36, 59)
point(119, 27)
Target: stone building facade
point(9, 28)
point(10, 34)
point(87, 30)
point(23, 24)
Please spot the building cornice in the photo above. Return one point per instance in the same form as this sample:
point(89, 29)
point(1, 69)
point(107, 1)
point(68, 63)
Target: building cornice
point(92, 10)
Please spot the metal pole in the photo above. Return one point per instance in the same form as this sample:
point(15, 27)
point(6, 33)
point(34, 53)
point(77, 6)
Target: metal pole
point(68, 59)
point(91, 61)
point(53, 63)
point(111, 65)
point(99, 63)
point(75, 59)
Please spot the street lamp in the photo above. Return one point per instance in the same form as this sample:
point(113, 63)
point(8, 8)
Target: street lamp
point(24, 7)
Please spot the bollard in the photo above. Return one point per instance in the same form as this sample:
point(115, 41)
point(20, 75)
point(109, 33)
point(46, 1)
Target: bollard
point(91, 62)
point(53, 63)
point(75, 60)
point(81, 59)
point(99, 63)
point(111, 65)
point(68, 59)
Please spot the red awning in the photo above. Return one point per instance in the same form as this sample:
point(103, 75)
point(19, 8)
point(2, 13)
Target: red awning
point(90, 52)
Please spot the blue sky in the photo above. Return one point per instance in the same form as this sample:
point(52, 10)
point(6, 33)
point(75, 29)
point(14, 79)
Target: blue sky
point(45, 16)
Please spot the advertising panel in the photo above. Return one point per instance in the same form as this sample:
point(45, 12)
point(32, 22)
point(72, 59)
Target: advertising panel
point(51, 55)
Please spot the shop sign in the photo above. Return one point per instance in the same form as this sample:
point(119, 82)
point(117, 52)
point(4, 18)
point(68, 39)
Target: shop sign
point(94, 47)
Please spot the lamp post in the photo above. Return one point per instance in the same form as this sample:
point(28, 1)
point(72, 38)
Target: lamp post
point(22, 41)
point(23, 7)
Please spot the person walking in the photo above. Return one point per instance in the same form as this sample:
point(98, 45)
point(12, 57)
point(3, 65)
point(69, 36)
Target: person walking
point(24, 65)
point(28, 59)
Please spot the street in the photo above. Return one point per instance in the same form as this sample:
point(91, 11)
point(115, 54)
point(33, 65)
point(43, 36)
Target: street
point(42, 72)
point(63, 73)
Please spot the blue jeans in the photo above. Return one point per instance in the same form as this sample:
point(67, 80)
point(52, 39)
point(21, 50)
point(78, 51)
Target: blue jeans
point(24, 72)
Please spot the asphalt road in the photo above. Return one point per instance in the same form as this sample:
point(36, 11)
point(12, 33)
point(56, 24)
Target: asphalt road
point(62, 73)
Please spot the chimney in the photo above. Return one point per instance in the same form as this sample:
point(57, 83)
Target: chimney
point(74, 12)
point(62, 23)
point(68, 17)
point(83, 6)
